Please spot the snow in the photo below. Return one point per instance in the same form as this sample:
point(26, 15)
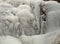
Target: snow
point(9, 40)
point(41, 39)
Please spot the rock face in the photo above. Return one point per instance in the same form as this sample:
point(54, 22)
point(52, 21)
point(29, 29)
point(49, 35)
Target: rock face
point(57, 0)
point(53, 0)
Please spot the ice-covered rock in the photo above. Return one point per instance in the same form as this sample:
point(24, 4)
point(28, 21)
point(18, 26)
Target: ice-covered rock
point(18, 2)
point(53, 21)
point(27, 21)
point(52, 6)
point(6, 9)
point(21, 7)
point(9, 25)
